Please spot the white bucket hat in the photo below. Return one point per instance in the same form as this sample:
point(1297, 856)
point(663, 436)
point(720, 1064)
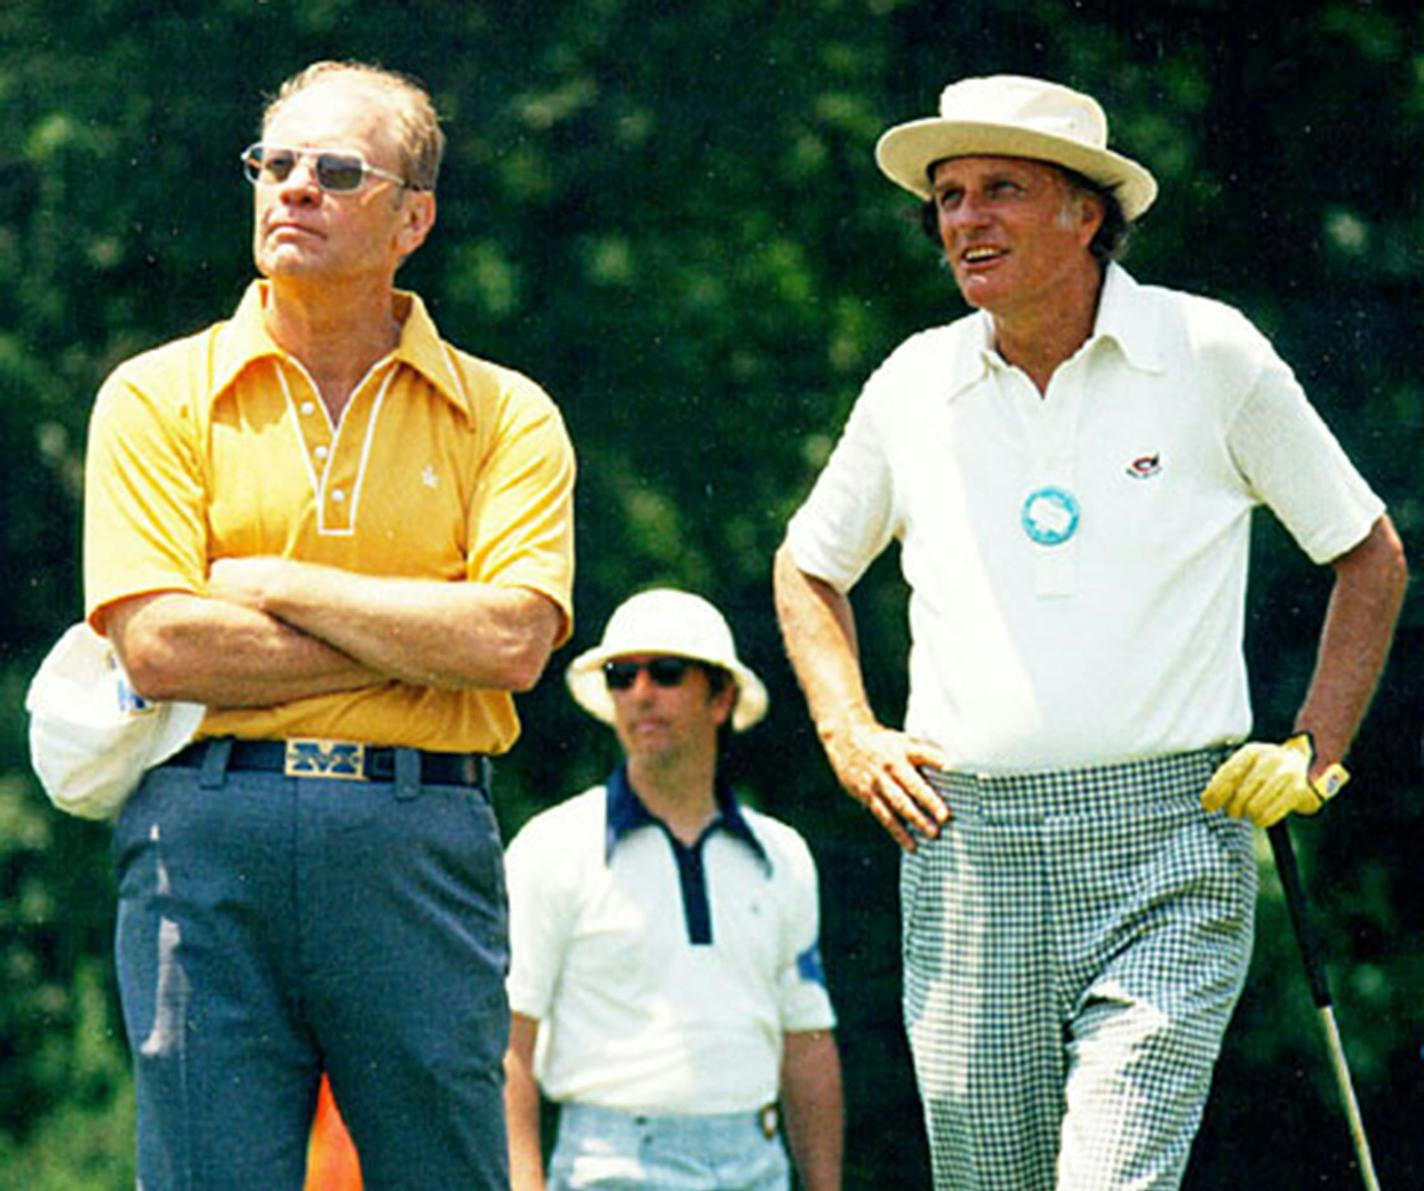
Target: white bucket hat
point(91, 736)
point(672, 623)
point(1013, 116)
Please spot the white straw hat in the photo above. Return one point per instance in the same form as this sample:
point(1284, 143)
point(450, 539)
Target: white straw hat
point(1013, 116)
point(666, 623)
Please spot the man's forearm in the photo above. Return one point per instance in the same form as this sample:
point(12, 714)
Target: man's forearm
point(420, 631)
point(1354, 641)
point(521, 1107)
point(880, 768)
point(175, 645)
point(812, 1100)
point(818, 628)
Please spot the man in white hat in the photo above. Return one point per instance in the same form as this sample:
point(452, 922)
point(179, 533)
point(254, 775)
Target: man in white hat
point(1070, 472)
point(665, 980)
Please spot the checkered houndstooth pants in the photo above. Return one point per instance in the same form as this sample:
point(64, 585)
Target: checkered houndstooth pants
point(1074, 944)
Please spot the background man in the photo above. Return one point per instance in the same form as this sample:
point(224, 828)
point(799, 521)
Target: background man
point(1070, 473)
point(351, 541)
point(665, 963)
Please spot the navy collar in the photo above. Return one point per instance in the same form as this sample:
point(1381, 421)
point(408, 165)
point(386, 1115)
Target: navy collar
point(626, 813)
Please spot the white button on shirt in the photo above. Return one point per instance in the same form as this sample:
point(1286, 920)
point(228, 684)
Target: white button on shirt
point(1165, 430)
point(635, 1015)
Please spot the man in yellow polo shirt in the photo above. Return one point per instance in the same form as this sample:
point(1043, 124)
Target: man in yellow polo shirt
point(350, 541)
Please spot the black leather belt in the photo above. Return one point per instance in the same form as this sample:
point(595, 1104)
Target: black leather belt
point(341, 760)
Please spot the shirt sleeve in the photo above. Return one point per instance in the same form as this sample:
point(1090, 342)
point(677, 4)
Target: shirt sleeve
point(1295, 466)
point(145, 524)
point(848, 518)
point(522, 518)
point(537, 925)
point(805, 1002)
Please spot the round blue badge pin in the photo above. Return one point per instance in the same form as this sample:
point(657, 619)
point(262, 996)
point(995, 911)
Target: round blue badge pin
point(1050, 515)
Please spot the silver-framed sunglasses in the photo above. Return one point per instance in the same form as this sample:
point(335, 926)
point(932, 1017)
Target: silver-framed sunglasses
point(337, 171)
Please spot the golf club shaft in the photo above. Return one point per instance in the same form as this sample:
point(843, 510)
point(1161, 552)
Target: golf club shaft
point(1347, 1098)
point(1310, 954)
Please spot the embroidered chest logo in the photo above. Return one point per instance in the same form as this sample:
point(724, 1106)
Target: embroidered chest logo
point(1144, 467)
point(428, 477)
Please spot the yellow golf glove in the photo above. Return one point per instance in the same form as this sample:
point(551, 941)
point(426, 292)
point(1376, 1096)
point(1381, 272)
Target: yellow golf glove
point(1266, 782)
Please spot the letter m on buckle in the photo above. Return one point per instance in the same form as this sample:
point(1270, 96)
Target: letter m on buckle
point(341, 759)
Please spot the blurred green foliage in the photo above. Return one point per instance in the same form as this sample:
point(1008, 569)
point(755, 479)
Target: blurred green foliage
point(667, 212)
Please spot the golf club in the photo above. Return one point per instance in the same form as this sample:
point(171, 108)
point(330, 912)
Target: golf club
point(1289, 874)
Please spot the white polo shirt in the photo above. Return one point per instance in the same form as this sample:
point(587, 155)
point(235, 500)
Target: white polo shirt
point(1077, 560)
point(662, 984)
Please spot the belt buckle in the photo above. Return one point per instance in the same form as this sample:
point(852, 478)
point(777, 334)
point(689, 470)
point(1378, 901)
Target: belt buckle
point(767, 1119)
point(310, 756)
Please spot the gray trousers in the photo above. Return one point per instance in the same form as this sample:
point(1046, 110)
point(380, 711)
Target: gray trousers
point(1074, 944)
point(273, 927)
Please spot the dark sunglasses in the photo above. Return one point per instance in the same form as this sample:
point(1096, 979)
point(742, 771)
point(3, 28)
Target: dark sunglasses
point(665, 672)
point(338, 171)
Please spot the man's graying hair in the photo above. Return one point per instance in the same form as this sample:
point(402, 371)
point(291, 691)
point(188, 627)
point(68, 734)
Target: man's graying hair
point(421, 141)
point(1109, 243)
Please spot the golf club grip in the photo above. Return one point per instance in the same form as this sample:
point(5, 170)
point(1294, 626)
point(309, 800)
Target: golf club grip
point(1289, 874)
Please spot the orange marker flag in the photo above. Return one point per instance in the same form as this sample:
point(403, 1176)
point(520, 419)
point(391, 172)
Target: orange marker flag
point(332, 1164)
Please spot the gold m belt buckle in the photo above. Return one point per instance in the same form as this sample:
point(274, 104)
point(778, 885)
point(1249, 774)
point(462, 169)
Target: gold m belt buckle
point(343, 760)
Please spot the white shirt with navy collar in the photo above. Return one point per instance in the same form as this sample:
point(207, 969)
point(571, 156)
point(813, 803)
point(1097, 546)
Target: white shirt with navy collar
point(1077, 559)
point(663, 976)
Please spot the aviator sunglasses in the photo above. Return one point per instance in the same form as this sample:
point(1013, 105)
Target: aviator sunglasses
point(665, 672)
point(338, 171)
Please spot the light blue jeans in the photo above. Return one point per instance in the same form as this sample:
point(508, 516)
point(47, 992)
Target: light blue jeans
point(272, 927)
point(620, 1151)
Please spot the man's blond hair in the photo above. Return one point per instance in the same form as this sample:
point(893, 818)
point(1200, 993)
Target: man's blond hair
point(419, 136)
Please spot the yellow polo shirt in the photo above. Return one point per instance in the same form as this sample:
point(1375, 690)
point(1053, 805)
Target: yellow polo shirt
point(443, 466)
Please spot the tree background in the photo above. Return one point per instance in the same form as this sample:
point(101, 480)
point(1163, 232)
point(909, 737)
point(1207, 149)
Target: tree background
point(668, 213)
